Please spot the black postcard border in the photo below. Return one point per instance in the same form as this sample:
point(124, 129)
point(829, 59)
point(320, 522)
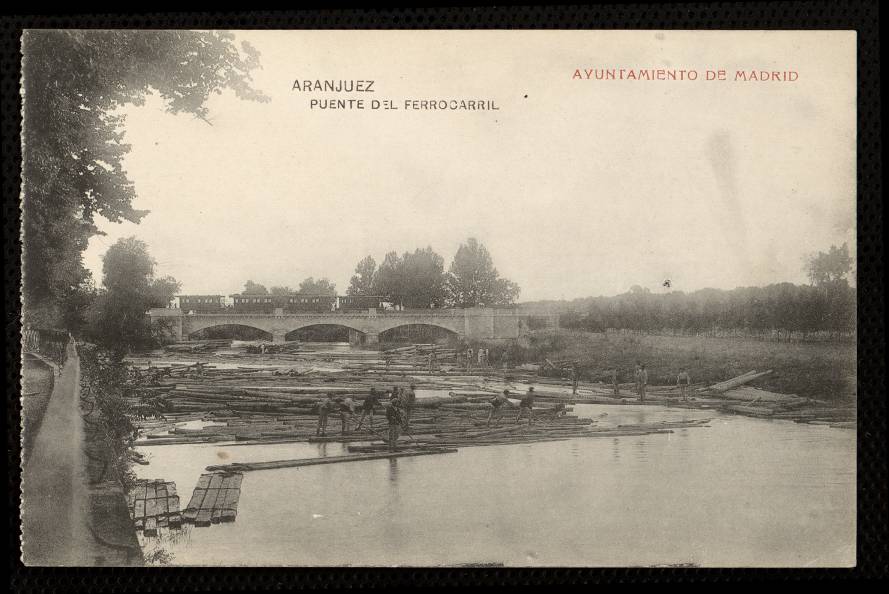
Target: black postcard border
point(873, 502)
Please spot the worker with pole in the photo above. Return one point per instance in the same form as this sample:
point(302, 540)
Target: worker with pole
point(614, 383)
point(469, 359)
point(526, 404)
point(347, 410)
point(370, 404)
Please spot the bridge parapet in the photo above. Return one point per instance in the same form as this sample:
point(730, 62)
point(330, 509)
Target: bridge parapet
point(471, 323)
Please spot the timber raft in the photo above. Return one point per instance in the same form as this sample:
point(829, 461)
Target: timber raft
point(278, 401)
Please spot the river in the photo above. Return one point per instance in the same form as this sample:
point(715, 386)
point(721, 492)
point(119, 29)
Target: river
point(739, 492)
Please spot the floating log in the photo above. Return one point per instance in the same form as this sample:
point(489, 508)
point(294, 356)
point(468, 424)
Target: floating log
point(250, 466)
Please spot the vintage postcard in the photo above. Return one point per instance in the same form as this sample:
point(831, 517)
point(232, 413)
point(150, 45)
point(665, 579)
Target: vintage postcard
point(439, 298)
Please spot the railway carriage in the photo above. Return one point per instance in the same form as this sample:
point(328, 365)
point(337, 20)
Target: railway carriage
point(201, 303)
point(360, 302)
point(289, 303)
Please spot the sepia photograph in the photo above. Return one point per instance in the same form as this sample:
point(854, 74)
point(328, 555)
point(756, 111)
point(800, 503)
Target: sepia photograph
point(454, 298)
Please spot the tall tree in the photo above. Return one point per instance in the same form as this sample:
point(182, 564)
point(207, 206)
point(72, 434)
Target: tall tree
point(74, 83)
point(830, 267)
point(388, 280)
point(251, 288)
point(423, 279)
point(130, 289)
point(473, 280)
point(362, 282)
point(322, 286)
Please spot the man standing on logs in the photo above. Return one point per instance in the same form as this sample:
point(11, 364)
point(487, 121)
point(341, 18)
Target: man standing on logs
point(497, 403)
point(410, 397)
point(683, 380)
point(394, 417)
point(469, 359)
point(574, 377)
point(641, 381)
point(370, 404)
point(526, 404)
point(347, 409)
point(324, 408)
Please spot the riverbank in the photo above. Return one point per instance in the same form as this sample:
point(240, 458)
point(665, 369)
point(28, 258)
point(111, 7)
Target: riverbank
point(821, 371)
point(73, 507)
point(38, 379)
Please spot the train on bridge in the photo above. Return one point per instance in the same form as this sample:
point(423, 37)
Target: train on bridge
point(287, 303)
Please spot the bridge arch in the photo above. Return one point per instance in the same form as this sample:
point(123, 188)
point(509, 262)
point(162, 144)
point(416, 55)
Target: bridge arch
point(324, 332)
point(228, 330)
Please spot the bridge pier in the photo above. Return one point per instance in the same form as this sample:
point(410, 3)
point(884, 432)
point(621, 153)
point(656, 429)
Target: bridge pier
point(371, 338)
point(354, 337)
point(278, 336)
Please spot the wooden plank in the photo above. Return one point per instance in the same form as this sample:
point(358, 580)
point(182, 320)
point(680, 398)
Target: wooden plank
point(204, 518)
point(175, 520)
point(139, 509)
point(248, 466)
point(196, 498)
point(216, 481)
point(161, 506)
point(150, 492)
point(171, 489)
point(204, 481)
point(150, 508)
point(161, 491)
point(150, 527)
point(173, 505)
point(209, 501)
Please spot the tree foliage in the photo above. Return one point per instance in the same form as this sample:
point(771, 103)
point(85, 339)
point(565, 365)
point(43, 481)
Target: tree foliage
point(414, 280)
point(473, 280)
point(74, 83)
point(322, 286)
point(251, 288)
point(129, 290)
point(830, 267)
point(362, 282)
point(281, 290)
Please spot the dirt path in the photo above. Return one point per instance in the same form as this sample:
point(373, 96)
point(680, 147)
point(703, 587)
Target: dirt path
point(54, 491)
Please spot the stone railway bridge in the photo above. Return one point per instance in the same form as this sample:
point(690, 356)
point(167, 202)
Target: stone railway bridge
point(477, 323)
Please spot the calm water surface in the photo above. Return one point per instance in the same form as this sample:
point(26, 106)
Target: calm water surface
point(740, 492)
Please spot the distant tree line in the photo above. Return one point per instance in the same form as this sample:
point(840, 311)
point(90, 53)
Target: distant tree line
point(827, 306)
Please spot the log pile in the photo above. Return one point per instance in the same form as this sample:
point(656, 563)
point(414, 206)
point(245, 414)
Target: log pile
point(262, 404)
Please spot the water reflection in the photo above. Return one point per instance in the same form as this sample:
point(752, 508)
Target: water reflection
point(742, 491)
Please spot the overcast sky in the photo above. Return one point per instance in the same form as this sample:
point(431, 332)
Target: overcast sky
point(577, 187)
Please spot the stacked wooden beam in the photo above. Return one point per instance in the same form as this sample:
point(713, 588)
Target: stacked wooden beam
point(154, 504)
point(215, 499)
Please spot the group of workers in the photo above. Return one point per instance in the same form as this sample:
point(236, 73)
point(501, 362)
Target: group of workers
point(398, 404)
point(526, 404)
point(482, 358)
point(640, 375)
point(640, 378)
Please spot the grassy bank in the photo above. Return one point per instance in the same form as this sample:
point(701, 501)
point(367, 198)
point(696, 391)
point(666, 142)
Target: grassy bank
point(822, 371)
